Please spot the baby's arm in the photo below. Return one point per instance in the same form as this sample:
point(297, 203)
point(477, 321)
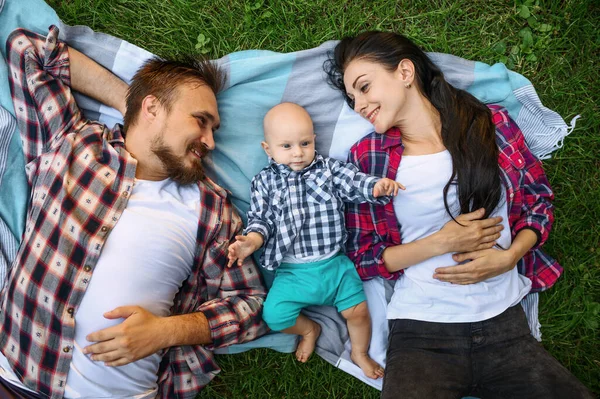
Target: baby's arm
point(243, 247)
point(387, 186)
point(260, 222)
point(357, 187)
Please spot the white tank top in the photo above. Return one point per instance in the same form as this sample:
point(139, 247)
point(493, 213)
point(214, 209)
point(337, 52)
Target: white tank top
point(420, 211)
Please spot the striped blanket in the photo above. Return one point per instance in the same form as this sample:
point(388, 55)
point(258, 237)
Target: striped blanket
point(257, 80)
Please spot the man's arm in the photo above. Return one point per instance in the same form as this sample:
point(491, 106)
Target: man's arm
point(42, 71)
point(232, 313)
point(93, 80)
point(142, 333)
point(39, 79)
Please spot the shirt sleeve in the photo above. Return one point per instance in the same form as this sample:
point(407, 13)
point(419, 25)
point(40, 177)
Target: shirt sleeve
point(235, 313)
point(537, 211)
point(364, 245)
point(260, 216)
point(354, 186)
point(39, 78)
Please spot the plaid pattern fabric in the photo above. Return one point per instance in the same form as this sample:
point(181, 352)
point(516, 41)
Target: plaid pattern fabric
point(302, 213)
point(81, 176)
point(371, 228)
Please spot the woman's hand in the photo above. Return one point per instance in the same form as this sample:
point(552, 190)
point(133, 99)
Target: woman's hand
point(481, 265)
point(473, 235)
point(487, 263)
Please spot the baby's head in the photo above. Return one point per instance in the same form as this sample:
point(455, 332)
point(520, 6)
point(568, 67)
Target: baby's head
point(289, 136)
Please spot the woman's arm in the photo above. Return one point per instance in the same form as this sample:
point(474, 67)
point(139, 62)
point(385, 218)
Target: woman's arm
point(532, 198)
point(472, 234)
point(374, 240)
point(487, 263)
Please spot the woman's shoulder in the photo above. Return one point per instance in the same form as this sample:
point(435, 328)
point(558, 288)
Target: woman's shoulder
point(505, 125)
point(369, 143)
point(500, 115)
point(366, 142)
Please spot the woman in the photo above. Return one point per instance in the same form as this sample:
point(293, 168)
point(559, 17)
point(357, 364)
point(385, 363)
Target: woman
point(456, 327)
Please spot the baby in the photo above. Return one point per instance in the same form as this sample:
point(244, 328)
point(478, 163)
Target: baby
point(297, 213)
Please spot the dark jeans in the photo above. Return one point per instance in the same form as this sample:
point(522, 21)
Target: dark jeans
point(495, 358)
point(9, 391)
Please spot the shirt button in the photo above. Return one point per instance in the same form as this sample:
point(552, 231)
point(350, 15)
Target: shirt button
point(511, 195)
point(125, 194)
point(70, 311)
point(87, 268)
point(66, 349)
point(104, 229)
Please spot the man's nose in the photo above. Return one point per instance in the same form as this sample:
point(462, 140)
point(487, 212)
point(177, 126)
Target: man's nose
point(208, 140)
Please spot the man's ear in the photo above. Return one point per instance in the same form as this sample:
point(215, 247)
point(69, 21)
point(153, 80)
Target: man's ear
point(265, 147)
point(150, 108)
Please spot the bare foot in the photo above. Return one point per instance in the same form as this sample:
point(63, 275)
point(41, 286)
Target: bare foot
point(370, 367)
point(307, 343)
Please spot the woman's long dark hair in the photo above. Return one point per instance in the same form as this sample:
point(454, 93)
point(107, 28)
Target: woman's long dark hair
point(467, 128)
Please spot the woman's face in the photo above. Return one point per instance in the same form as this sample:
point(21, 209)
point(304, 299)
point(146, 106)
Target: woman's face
point(378, 94)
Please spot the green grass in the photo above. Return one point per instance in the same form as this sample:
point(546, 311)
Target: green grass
point(564, 71)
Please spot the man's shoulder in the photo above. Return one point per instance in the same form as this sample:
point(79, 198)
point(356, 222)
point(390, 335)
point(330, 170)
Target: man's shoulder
point(85, 129)
point(211, 189)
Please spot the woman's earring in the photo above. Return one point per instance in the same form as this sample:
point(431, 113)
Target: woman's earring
point(407, 85)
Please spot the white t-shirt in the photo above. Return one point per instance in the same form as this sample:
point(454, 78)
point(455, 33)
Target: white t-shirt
point(420, 211)
point(145, 260)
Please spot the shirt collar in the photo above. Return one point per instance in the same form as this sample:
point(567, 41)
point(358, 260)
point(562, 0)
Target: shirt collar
point(391, 138)
point(116, 135)
point(286, 170)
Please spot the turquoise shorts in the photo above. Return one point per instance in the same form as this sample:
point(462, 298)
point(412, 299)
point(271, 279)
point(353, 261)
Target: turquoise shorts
point(332, 281)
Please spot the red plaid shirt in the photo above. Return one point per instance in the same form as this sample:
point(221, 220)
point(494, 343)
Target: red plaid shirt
point(372, 228)
point(81, 176)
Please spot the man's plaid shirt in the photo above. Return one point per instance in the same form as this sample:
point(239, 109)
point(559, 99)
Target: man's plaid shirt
point(371, 229)
point(81, 176)
point(302, 213)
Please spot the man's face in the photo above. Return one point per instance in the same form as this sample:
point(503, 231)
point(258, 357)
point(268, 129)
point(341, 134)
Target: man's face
point(187, 133)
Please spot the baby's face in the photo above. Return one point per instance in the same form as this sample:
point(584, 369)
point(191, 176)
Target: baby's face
point(294, 146)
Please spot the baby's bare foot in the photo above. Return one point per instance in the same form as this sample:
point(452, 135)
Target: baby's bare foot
point(307, 343)
point(370, 367)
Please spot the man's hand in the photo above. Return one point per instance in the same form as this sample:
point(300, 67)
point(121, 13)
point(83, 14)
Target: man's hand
point(243, 247)
point(482, 265)
point(387, 186)
point(135, 338)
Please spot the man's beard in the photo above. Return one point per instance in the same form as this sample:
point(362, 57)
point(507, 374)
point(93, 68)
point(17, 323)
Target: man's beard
point(175, 166)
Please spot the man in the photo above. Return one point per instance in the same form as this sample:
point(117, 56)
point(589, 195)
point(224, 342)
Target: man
point(119, 288)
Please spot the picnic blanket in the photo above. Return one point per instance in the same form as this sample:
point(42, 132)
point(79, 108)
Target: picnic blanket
point(256, 81)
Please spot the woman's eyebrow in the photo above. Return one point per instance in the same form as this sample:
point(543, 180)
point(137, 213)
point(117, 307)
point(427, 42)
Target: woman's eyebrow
point(354, 84)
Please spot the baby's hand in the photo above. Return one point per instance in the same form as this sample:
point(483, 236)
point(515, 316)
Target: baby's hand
point(387, 186)
point(242, 248)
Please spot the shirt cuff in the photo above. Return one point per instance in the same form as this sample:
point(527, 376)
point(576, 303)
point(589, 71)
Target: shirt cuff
point(540, 238)
point(258, 228)
point(381, 269)
point(56, 57)
point(368, 186)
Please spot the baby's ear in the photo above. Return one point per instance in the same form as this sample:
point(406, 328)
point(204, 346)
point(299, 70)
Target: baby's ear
point(265, 147)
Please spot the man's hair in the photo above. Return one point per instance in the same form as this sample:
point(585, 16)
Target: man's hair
point(162, 79)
